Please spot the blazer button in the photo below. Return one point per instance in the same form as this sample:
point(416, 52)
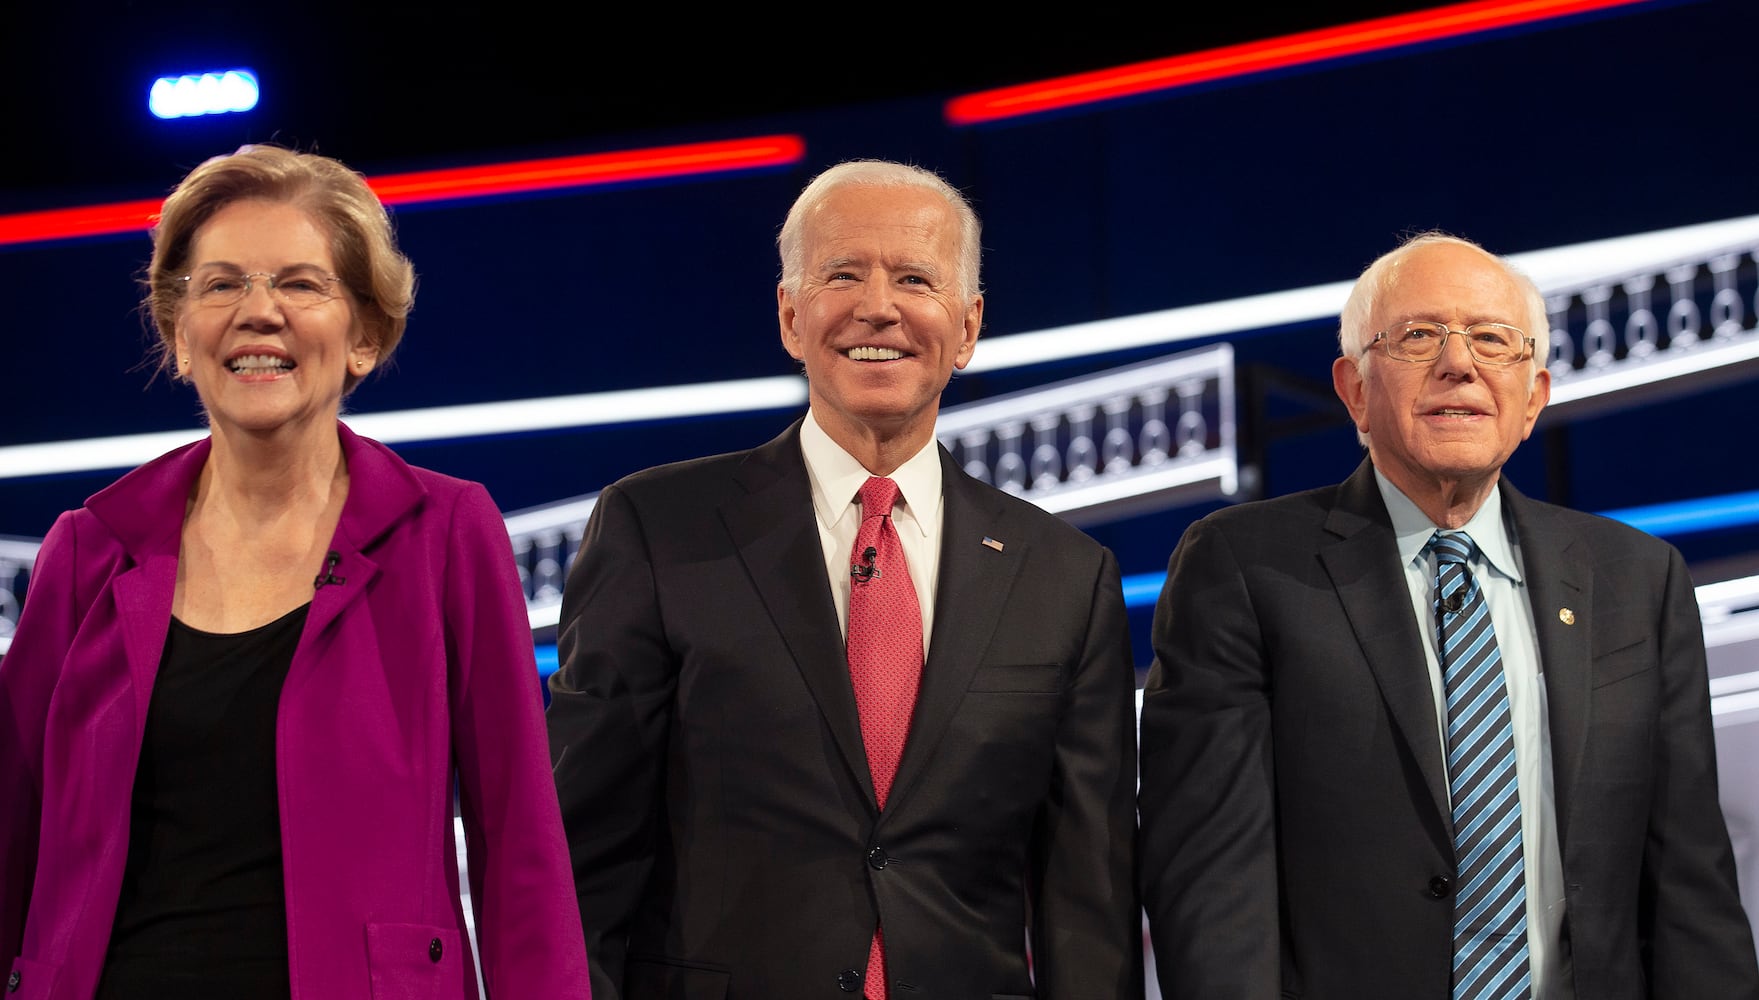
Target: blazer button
point(877, 858)
point(13, 981)
point(1440, 886)
point(849, 981)
point(435, 950)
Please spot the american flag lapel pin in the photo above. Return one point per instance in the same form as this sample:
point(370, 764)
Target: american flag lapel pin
point(992, 543)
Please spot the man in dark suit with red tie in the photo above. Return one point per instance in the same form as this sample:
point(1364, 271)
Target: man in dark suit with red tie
point(1416, 736)
point(770, 791)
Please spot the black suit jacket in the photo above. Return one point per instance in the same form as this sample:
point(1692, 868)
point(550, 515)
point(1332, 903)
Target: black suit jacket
point(713, 781)
point(1294, 806)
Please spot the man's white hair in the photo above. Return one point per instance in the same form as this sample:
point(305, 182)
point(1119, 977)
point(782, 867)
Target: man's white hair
point(1355, 329)
point(880, 173)
point(1356, 321)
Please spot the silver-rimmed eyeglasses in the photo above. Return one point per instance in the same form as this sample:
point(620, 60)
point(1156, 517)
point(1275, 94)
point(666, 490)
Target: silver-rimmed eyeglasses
point(296, 287)
point(1490, 343)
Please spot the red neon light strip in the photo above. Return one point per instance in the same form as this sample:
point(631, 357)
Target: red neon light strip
point(71, 223)
point(461, 182)
point(1256, 57)
point(589, 170)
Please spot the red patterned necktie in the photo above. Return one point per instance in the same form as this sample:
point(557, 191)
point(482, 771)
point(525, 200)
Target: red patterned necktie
point(885, 657)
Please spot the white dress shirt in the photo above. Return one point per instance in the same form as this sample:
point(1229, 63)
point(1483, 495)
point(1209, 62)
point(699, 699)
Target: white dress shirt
point(837, 479)
point(1497, 568)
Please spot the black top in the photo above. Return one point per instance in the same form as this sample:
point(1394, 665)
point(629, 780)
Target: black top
point(203, 912)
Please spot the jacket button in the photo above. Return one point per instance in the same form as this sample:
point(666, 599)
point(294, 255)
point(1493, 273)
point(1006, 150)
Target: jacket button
point(13, 981)
point(435, 950)
point(1440, 886)
point(877, 858)
point(849, 981)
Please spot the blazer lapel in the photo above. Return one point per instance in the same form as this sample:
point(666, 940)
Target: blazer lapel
point(145, 510)
point(353, 571)
point(1555, 582)
point(970, 594)
point(143, 604)
point(1364, 567)
point(777, 538)
point(382, 490)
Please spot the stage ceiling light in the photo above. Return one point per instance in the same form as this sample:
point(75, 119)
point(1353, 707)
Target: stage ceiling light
point(217, 93)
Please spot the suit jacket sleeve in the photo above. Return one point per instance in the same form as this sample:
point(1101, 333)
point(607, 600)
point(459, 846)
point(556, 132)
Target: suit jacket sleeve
point(28, 675)
point(610, 713)
point(1697, 939)
point(1208, 791)
point(527, 925)
point(1087, 926)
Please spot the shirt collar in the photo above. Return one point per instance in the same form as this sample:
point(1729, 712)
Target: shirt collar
point(837, 479)
point(1487, 528)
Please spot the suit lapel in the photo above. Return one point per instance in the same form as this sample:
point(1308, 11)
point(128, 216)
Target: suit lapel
point(143, 606)
point(355, 571)
point(970, 594)
point(1364, 567)
point(144, 510)
point(774, 530)
point(1556, 581)
point(382, 491)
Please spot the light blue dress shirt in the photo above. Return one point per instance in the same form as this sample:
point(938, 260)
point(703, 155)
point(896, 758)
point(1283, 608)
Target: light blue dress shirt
point(1497, 567)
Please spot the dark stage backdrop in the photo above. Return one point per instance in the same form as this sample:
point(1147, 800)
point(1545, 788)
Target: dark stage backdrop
point(1601, 126)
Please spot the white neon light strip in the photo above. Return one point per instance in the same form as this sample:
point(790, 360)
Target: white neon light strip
point(524, 522)
point(20, 550)
point(1551, 268)
point(1557, 267)
point(84, 454)
point(1629, 374)
point(547, 615)
point(1730, 704)
point(1213, 361)
point(442, 422)
point(1734, 684)
point(1732, 694)
point(1167, 326)
point(1731, 629)
point(1730, 595)
point(1223, 469)
point(584, 410)
point(1609, 259)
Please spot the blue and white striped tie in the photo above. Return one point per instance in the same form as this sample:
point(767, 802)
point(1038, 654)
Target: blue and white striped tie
point(1490, 904)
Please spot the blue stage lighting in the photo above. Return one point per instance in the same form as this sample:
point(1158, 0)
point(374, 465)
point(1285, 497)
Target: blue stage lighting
point(203, 94)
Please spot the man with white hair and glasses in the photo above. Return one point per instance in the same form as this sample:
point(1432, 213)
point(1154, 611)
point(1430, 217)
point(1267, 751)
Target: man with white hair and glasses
point(1418, 736)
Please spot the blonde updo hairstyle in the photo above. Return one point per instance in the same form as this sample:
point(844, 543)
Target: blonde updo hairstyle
point(362, 243)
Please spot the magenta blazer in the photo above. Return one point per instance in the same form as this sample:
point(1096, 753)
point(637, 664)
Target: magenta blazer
point(417, 665)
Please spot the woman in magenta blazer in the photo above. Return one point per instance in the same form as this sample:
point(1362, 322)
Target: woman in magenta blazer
point(250, 674)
